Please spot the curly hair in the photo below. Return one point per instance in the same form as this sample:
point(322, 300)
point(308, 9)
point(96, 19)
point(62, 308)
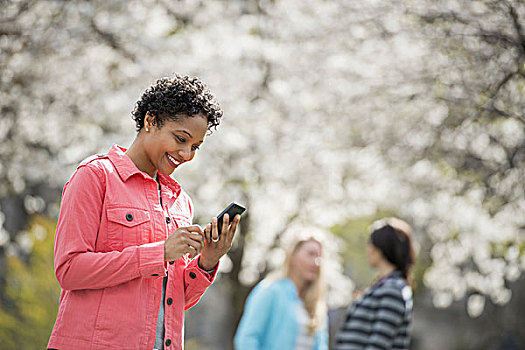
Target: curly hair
point(174, 97)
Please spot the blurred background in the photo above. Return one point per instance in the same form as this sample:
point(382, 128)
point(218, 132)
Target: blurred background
point(336, 113)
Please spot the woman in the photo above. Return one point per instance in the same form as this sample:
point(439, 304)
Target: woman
point(125, 244)
point(290, 312)
point(381, 318)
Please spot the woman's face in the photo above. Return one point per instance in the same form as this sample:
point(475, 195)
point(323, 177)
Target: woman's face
point(306, 260)
point(174, 143)
point(374, 255)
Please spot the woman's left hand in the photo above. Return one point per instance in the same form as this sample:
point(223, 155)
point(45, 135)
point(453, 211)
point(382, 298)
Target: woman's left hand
point(215, 245)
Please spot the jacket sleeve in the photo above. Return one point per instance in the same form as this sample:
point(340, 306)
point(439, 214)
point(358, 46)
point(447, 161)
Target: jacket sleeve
point(388, 318)
point(196, 281)
point(77, 264)
point(252, 328)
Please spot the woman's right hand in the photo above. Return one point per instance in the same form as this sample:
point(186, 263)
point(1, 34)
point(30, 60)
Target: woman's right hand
point(185, 240)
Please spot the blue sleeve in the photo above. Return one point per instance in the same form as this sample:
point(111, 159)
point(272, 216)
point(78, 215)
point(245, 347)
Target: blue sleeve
point(254, 322)
point(321, 337)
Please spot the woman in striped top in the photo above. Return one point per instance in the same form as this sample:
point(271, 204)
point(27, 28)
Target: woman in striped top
point(382, 317)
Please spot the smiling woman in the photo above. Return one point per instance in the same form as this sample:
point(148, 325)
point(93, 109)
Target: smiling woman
point(126, 255)
point(165, 147)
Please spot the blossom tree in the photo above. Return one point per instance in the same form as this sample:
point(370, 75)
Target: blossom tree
point(333, 111)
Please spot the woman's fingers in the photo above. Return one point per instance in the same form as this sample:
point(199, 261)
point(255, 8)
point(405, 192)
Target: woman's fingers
point(222, 243)
point(195, 236)
point(214, 230)
point(225, 225)
point(194, 228)
point(207, 234)
point(233, 227)
point(194, 241)
point(183, 241)
point(196, 233)
point(192, 251)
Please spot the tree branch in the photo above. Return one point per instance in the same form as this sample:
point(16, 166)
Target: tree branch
point(502, 83)
point(24, 6)
point(112, 41)
point(495, 110)
point(517, 26)
point(496, 37)
point(431, 18)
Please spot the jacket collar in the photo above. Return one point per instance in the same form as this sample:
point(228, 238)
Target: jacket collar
point(291, 288)
point(126, 168)
point(394, 275)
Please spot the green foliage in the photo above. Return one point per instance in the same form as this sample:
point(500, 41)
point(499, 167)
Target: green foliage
point(194, 344)
point(31, 292)
point(255, 31)
point(176, 30)
point(355, 234)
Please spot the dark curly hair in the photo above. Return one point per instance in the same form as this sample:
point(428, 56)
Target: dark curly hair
point(175, 97)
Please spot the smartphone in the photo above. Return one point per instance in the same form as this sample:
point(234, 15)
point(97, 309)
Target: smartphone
point(232, 210)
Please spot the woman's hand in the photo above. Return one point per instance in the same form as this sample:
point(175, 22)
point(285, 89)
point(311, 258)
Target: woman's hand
point(185, 240)
point(216, 246)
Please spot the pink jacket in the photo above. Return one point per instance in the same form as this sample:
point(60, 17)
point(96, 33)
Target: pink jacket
point(109, 258)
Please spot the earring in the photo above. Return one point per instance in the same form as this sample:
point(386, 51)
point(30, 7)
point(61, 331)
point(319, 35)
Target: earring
point(147, 130)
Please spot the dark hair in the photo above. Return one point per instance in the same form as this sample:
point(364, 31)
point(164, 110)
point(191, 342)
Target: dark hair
point(175, 97)
point(394, 241)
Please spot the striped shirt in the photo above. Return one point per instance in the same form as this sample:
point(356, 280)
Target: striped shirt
point(380, 319)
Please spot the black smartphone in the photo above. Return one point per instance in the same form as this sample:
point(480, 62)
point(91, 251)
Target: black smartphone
point(232, 210)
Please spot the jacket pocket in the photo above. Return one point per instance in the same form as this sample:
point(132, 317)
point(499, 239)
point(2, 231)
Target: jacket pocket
point(127, 227)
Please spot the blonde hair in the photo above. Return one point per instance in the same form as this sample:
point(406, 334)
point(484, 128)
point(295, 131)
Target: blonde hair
point(314, 292)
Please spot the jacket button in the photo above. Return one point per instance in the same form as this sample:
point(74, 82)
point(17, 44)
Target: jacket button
point(172, 262)
point(169, 301)
point(168, 219)
point(129, 217)
point(168, 342)
point(193, 275)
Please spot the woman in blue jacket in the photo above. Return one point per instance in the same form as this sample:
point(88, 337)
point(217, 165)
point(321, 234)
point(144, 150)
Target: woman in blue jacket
point(288, 312)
